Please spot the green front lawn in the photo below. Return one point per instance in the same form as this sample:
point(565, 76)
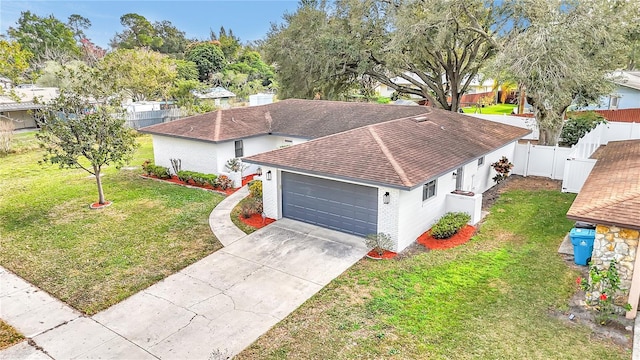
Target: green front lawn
point(498, 109)
point(92, 259)
point(492, 298)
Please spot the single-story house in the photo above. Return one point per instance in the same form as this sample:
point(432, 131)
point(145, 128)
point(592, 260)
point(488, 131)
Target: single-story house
point(21, 112)
point(626, 93)
point(610, 198)
point(354, 167)
point(220, 95)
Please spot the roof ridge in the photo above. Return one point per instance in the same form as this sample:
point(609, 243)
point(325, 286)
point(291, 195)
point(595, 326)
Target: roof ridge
point(216, 134)
point(398, 169)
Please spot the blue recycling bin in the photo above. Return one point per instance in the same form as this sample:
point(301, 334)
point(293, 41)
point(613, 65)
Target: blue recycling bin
point(582, 240)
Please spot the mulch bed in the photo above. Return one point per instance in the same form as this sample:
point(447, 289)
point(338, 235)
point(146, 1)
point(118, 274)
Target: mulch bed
point(386, 255)
point(461, 237)
point(97, 205)
point(256, 221)
point(174, 179)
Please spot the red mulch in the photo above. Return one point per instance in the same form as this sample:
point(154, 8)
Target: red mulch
point(459, 238)
point(256, 221)
point(386, 255)
point(97, 205)
point(246, 179)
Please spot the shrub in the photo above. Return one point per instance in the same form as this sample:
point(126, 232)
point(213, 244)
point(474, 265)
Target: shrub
point(197, 177)
point(160, 171)
point(601, 288)
point(502, 167)
point(255, 189)
point(251, 206)
point(146, 167)
point(223, 182)
point(578, 125)
point(449, 224)
point(379, 242)
point(184, 175)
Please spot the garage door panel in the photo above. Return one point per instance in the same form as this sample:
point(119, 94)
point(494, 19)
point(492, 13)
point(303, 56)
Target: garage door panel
point(333, 204)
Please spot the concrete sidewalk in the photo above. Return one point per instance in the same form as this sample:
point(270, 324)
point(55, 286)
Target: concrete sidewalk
point(218, 305)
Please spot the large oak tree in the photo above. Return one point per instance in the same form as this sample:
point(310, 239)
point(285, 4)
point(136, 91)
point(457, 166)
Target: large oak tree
point(429, 48)
point(564, 53)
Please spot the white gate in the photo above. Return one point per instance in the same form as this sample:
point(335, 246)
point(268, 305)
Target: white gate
point(576, 172)
point(539, 160)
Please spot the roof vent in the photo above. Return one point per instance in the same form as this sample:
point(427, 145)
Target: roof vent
point(420, 119)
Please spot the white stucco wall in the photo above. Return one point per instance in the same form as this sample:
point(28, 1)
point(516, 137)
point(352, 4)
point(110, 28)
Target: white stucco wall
point(417, 216)
point(271, 197)
point(195, 155)
point(485, 173)
point(389, 215)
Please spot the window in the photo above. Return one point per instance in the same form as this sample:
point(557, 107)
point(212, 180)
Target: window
point(239, 149)
point(429, 190)
point(481, 161)
point(614, 101)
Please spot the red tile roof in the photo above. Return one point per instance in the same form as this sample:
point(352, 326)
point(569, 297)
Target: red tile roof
point(611, 194)
point(402, 153)
point(308, 119)
point(622, 115)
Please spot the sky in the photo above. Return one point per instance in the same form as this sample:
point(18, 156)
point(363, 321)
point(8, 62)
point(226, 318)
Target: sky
point(249, 19)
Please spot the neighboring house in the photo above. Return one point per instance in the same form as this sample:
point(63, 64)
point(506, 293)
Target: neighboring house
point(21, 112)
point(220, 96)
point(354, 167)
point(626, 94)
point(610, 198)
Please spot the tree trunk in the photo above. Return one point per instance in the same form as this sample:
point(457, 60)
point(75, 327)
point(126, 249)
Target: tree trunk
point(96, 171)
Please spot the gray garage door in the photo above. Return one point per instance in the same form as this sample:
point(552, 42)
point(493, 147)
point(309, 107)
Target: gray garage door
point(332, 204)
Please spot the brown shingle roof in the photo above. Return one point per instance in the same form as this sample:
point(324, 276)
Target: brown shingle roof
point(300, 118)
point(402, 153)
point(611, 194)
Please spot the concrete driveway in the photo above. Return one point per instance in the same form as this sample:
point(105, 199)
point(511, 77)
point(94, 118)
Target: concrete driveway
point(220, 304)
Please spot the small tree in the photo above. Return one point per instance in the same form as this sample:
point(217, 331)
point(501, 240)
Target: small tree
point(84, 126)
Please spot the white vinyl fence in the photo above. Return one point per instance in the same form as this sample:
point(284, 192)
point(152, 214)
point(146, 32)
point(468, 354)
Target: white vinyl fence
point(571, 165)
point(539, 160)
point(140, 119)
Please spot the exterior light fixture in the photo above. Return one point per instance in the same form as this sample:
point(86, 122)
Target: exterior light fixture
point(386, 198)
point(269, 175)
point(259, 171)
